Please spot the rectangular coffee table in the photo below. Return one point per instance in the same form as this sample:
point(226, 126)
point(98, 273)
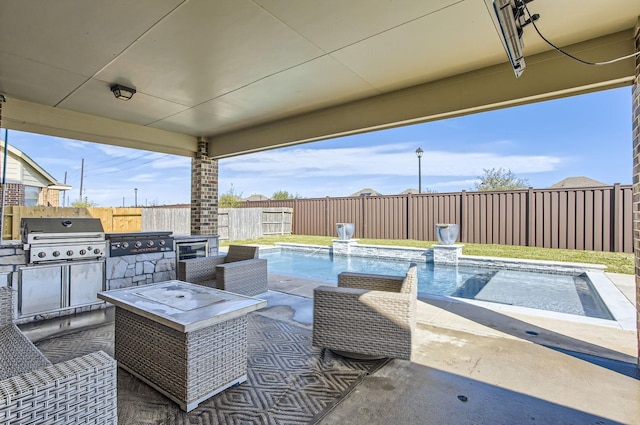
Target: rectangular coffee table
point(187, 341)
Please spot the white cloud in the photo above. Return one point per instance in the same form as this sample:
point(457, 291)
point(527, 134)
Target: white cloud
point(385, 160)
point(117, 151)
point(71, 144)
point(172, 161)
point(143, 178)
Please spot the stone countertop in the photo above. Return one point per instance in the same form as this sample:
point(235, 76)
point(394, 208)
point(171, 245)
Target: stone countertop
point(11, 243)
point(193, 237)
point(182, 306)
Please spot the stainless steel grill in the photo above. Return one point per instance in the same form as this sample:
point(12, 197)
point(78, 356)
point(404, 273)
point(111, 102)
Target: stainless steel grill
point(62, 239)
point(65, 264)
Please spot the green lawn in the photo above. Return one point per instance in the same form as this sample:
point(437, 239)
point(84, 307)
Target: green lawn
point(616, 262)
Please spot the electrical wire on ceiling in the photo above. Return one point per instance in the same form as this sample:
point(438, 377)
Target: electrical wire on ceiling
point(142, 163)
point(569, 54)
point(106, 169)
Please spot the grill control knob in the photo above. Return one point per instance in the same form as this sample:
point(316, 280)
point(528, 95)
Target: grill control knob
point(150, 243)
point(69, 253)
point(42, 254)
point(138, 244)
point(125, 245)
point(162, 242)
point(56, 253)
point(96, 251)
point(83, 251)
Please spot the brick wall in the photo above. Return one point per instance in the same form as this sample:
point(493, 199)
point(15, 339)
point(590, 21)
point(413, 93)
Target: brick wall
point(14, 194)
point(49, 197)
point(204, 191)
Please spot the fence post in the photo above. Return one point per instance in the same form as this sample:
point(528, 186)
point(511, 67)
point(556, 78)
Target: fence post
point(616, 201)
point(364, 216)
point(531, 215)
point(462, 220)
point(326, 216)
point(409, 228)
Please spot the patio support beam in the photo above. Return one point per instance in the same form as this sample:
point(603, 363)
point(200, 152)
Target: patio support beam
point(549, 75)
point(635, 98)
point(204, 191)
point(31, 117)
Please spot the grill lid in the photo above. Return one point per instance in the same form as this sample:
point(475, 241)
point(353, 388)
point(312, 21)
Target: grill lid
point(60, 228)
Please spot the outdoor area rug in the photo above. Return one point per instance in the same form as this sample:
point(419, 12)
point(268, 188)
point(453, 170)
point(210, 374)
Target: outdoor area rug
point(289, 381)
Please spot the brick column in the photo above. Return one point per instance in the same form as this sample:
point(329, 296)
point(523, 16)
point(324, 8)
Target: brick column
point(635, 99)
point(204, 191)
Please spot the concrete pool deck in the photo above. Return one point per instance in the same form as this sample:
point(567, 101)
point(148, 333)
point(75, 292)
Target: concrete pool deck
point(574, 333)
point(475, 365)
point(470, 365)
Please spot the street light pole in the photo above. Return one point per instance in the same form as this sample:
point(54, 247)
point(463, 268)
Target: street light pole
point(135, 190)
point(419, 153)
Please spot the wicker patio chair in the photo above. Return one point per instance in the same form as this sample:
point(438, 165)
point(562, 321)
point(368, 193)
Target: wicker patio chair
point(367, 315)
point(239, 271)
point(33, 391)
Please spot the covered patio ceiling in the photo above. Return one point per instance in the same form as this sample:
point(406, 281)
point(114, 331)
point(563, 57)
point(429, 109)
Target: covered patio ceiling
point(256, 74)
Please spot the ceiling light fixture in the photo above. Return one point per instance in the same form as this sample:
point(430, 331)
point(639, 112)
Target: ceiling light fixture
point(122, 92)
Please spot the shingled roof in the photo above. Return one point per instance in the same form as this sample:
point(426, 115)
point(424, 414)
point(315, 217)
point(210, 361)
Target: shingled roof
point(580, 181)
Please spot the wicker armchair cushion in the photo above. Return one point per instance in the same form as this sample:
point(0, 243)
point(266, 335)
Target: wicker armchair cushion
point(241, 252)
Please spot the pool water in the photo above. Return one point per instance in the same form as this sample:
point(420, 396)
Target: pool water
point(572, 294)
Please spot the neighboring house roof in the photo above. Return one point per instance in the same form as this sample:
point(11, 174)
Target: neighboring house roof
point(409, 191)
point(44, 177)
point(579, 181)
point(257, 197)
point(366, 192)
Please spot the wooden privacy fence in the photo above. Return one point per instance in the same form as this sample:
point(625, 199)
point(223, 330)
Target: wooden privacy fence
point(592, 218)
point(113, 219)
point(253, 223)
point(233, 223)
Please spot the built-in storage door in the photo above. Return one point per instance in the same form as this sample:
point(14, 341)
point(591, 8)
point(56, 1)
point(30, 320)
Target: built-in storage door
point(86, 279)
point(41, 289)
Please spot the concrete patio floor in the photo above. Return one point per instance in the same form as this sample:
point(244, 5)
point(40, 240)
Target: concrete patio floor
point(473, 365)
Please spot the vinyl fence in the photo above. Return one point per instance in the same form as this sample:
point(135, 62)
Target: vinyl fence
point(592, 218)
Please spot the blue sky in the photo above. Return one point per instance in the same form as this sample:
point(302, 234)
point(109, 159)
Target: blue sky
point(587, 135)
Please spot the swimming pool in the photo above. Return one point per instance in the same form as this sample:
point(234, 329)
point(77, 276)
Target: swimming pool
point(564, 293)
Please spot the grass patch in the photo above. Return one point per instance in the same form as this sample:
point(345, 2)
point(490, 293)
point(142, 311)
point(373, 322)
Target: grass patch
point(616, 262)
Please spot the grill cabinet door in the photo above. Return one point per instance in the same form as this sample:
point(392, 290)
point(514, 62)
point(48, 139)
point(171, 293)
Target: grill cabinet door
point(86, 279)
point(40, 289)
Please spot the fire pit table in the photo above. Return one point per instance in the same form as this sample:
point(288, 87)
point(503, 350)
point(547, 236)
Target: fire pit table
point(187, 341)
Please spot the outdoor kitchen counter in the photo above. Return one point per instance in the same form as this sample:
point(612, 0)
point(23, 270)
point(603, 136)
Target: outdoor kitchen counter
point(187, 341)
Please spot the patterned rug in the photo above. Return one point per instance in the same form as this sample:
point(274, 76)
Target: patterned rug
point(289, 381)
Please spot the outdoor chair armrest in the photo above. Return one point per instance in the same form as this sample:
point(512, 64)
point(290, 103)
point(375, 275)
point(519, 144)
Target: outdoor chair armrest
point(18, 355)
point(364, 304)
point(245, 277)
point(198, 270)
point(7, 305)
point(79, 390)
point(370, 281)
